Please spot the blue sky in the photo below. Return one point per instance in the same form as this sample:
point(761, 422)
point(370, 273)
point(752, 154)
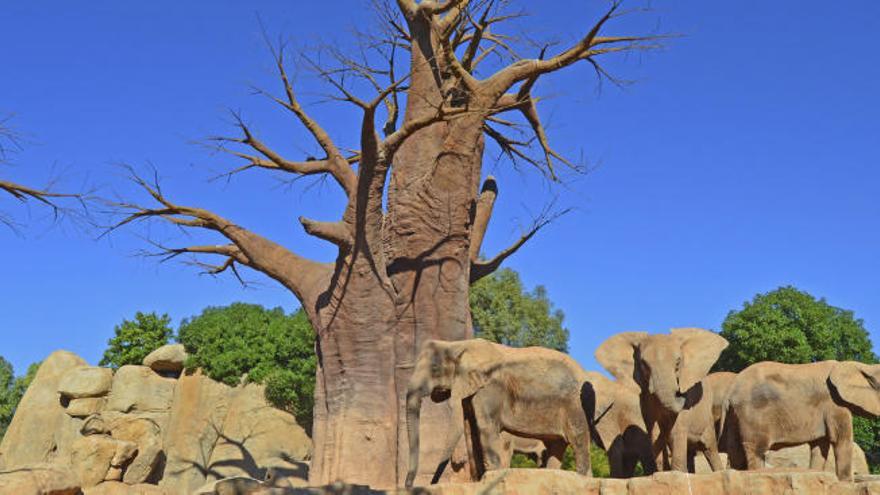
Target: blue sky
point(744, 158)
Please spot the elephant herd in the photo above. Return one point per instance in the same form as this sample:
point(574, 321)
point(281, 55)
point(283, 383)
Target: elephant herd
point(662, 409)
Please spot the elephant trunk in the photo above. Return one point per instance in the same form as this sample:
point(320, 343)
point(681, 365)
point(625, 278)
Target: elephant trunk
point(413, 409)
point(666, 392)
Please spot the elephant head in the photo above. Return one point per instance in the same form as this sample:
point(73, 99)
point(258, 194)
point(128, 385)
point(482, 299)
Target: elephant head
point(445, 370)
point(664, 366)
point(858, 386)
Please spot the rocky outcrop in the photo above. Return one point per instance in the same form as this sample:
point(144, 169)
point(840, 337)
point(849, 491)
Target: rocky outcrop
point(193, 429)
point(139, 389)
point(81, 408)
point(256, 436)
point(41, 431)
point(119, 488)
point(39, 480)
point(147, 430)
point(168, 358)
point(215, 431)
point(85, 381)
point(799, 457)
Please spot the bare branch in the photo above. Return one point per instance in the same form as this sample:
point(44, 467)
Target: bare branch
point(480, 269)
point(584, 49)
point(482, 215)
point(232, 253)
point(291, 270)
point(336, 232)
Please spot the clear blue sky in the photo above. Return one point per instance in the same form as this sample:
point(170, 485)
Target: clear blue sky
point(745, 158)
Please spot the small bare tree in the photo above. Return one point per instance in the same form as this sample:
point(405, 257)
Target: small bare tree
point(403, 269)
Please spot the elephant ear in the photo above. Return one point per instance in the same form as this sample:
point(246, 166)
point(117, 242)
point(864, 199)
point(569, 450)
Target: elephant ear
point(617, 355)
point(699, 351)
point(475, 360)
point(858, 384)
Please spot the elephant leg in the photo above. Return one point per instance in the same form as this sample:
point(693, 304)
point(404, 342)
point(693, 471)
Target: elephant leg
point(678, 447)
point(485, 406)
point(840, 436)
point(843, 457)
point(554, 453)
point(472, 441)
point(629, 466)
point(710, 450)
point(616, 462)
point(659, 442)
point(578, 436)
point(819, 454)
point(506, 450)
point(754, 454)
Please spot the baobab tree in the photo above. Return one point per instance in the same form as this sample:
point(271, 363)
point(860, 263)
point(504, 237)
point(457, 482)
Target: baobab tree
point(409, 238)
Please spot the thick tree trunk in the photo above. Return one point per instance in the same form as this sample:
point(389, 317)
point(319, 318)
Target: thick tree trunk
point(367, 342)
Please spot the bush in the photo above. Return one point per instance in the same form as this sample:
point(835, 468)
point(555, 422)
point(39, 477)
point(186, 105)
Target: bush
point(247, 342)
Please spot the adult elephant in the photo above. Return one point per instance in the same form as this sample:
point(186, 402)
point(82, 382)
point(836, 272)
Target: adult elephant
point(529, 392)
point(618, 427)
point(669, 370)
point(774, 405)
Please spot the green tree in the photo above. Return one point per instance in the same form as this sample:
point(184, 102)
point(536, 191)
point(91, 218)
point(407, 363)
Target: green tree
point(791, 326)
point(11, 391)
point(135, 339)
point(504, 312)
point(251, 343)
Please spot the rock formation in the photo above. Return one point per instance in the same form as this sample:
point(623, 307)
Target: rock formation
point(144, 430)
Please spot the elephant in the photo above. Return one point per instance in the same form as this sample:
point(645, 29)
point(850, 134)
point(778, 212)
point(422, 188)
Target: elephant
point(669, 370)
point(531, 392)
point(774, 405)
point(619, 428)
point(707, 416)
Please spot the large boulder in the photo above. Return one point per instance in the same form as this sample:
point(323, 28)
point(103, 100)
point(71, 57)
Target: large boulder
point(799, 457)
point(168, 358)
point(85, 381)
point(257, 436)
point(92, 456)
point(237, 485)
point(119, 488)
point(39, 479)
point(40, 431)
point(140, 389)
point(193, 429)
point(81, 408)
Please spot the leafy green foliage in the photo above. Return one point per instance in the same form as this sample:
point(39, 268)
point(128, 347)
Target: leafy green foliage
point(791, 326)
point(504, 312)
point(598, 459)
point(248, 341)
point(11, 391)
point(135, 339)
